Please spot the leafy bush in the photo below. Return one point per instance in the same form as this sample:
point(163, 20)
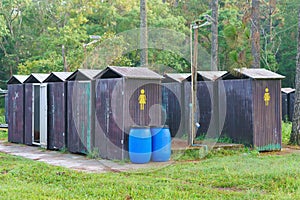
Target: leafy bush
point(2, 116)
point(3, 135)
point(286, 132)
point(2, 120)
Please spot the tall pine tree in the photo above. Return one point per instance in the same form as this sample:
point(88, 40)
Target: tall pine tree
point(295, 136)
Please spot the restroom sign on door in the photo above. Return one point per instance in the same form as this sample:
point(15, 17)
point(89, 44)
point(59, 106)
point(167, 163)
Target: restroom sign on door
point(267, 97)
point(142, 99)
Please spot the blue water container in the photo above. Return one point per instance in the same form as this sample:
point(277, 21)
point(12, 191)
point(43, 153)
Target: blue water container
point(161, 143)
point(140, 144)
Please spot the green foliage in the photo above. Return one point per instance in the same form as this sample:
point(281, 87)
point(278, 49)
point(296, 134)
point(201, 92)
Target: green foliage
point(3, 134)
point(288, 35)
point(63, 150)
point(189, 154)
point(3, 27)
point(286, 132)
point(94, 154)
point(221, 139)
point(2, 116)
point(32, 34)
point(235, 38)
point(2, 119)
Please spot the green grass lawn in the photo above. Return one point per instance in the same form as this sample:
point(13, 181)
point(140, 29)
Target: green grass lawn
point(223, 174)
point(239, 176)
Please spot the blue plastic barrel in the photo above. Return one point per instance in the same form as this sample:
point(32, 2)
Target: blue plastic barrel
point(161, 143)
point(140, 144)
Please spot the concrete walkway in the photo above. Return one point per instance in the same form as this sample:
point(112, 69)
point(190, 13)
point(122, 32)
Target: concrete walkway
point(73, 161)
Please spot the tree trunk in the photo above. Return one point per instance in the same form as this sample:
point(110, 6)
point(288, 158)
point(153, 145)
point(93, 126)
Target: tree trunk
point(272, 8)
point(295, 136)
point(255, 34)
point(214, 31)
point(144, 33)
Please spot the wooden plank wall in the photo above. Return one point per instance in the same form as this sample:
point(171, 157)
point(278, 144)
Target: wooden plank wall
point(80, 117)
point(291, 103)
point(117, 109)
point(109, 118)
point(285, 102)
point(238, 123)
point(151, 115)
point(28, 97)
point(204, 109)
point(267, 124)
point(56, 115)
point(173, 105)
point(15, 105)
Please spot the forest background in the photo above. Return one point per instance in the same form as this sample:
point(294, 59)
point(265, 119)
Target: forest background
point(35, 35)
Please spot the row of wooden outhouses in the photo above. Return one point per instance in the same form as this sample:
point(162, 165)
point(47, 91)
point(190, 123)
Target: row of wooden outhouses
point(93, 110)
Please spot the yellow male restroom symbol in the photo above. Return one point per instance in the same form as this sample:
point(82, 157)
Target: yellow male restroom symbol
point(142, 100)
point(267, 97)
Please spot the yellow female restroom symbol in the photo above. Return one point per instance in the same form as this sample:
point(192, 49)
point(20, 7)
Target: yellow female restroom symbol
point(142, 99)
point(267, 97)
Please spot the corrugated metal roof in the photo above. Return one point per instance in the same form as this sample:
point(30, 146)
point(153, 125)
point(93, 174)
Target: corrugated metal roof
point(179, 77)
point(212, 75)
point(17, 79)
point(84, 74)
point(287, 90)
point(36, 78)
point(259, 73)
point(58, 76)
point(132, 72)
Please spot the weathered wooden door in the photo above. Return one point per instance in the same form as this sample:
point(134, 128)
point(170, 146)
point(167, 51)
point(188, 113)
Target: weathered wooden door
point(56, 115)
point(28, 100)
point(16, 112)
point(79, 117)
point(267, 114)
point(109, 133)
point(172, 108)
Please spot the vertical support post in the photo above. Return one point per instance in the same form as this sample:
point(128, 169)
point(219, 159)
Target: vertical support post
point(216, 108)
point(43, 116)
point(194, 89)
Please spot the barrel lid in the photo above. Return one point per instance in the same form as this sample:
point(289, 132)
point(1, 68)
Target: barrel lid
point(142, 127)
point(160, 126)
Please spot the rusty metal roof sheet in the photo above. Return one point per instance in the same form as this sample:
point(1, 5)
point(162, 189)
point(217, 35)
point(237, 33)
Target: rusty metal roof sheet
point(209, 75)
point(84, 74)
point(287, 90)
point(36, 78)
point(131, 72)
point(259, 73)
point(17, 79)
point(178, 77)
point(58, 76)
